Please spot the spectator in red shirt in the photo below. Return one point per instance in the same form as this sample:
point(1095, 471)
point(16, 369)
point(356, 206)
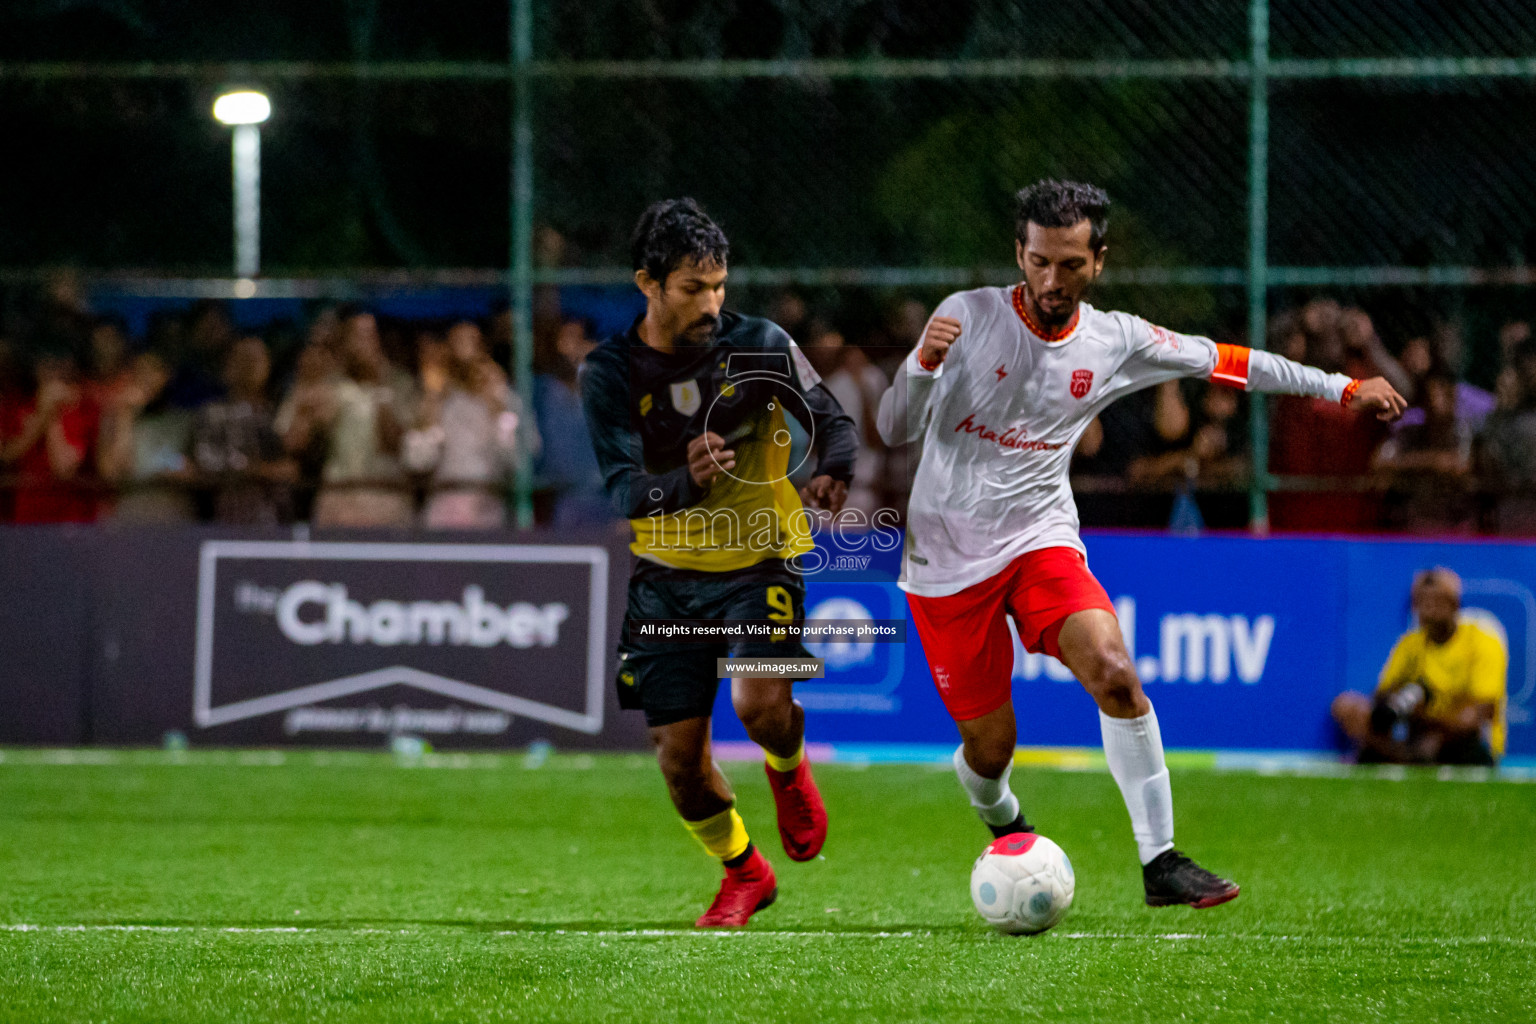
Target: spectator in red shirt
point(106, 366)
point(49, 442)
point(1316, 438)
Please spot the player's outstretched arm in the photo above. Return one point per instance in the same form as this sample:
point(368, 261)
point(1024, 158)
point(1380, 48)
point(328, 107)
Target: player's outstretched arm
point(1272, 374)
point(1158, 354)
point(904, 406)
point(1378, 396)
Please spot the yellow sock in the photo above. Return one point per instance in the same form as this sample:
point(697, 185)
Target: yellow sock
point(785, 764)
point(724, 835)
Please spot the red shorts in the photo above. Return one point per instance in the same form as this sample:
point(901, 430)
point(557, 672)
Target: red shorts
point(965, 635)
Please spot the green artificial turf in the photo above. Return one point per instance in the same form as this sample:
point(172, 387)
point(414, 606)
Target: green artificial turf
point(252, 887)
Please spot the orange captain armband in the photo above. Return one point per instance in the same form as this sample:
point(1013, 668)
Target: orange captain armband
point(1231, 366)
point(1349, 393)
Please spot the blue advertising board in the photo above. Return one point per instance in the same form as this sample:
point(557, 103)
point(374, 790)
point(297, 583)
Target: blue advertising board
point(1241, 643)
point(1498, 583)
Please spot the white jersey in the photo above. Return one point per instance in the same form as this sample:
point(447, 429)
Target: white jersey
point(998, 422)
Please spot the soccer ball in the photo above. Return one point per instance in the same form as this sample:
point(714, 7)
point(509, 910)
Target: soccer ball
point(1022, 884)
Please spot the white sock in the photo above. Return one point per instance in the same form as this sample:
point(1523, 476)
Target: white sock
point(1134, 749)
point(992, 798)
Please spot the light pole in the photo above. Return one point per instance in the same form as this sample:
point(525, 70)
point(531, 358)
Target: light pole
point(243, 111)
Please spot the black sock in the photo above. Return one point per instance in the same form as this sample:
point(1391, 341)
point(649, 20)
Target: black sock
point(1016, 825)
point(741, 858)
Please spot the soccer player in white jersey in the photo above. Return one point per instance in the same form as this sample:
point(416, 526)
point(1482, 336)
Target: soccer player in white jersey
point(997, 394)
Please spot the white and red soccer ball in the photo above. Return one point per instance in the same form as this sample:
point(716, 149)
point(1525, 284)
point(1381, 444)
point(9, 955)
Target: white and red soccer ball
point(1022, 884)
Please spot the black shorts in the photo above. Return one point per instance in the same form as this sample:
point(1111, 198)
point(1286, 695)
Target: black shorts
point(671, 681)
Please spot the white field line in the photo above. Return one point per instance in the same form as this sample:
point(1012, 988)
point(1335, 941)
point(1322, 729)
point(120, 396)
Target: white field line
point(1106, 936)
point(649, 933)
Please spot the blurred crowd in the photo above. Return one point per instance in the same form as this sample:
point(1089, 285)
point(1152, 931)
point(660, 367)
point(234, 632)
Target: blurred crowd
point(362, 421)
point(1462, 460)
point(353, 419)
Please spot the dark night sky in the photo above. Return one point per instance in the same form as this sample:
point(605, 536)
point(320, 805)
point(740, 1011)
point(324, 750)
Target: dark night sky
point(135, 173)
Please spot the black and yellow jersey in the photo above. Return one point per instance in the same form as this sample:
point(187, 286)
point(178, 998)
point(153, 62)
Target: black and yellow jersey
point(1469, 668)
point(643, 407)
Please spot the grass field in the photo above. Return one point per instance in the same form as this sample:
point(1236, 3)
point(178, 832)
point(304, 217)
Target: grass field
point(312, 887)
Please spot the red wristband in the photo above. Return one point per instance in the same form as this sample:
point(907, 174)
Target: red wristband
point(924, 365)
point(1349, 393)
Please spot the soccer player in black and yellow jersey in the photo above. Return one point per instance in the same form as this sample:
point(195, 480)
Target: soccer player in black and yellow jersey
point(687, 411)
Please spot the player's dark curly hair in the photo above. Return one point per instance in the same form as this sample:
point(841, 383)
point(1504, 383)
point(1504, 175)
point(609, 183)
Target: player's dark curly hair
point(1061, 204)
point(674, 230)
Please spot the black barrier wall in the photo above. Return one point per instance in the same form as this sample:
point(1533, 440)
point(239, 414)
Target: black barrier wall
point(487, 641)
point(46, 616)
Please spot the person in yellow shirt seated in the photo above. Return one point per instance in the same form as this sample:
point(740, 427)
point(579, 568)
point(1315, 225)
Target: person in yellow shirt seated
point(1442, 691)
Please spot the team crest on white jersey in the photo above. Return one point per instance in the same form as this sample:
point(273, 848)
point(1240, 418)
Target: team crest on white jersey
point(1082, 380)
point(686, 398)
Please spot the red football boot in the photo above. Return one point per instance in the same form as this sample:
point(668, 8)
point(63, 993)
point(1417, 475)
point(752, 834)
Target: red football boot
point(802, 815)
point(746, 890)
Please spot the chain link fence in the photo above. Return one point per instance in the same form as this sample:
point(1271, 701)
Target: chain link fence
point(1260, 155)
